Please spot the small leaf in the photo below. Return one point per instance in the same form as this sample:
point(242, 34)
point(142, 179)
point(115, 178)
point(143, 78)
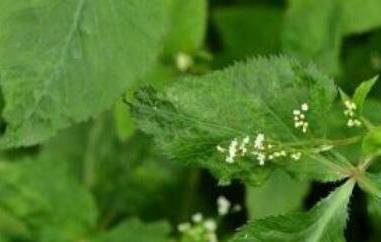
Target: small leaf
point(362, 92)
point(325, 222)
point(371, 143)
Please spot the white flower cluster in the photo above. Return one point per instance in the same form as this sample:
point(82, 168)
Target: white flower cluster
point(259, 148)
point(235, 149)
point(350, 112)
point(199, 229)
point(300, 117)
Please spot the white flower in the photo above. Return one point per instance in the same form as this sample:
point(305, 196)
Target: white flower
point(183, 61)
point(300, 118)
point(258, 143)
point(197, 218)
point(210, 225)
point(351, 114)
point(223, 206)
point(232, 151)
point(220, 149)
point(183, 227)
point(296, 156)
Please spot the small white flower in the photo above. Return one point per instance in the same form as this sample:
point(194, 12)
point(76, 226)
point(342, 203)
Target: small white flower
point(261, 158)
point(183, 227)
point(258, 143)
point(197, 218)
point(220, 149)
point(304, 107)
point(223, 206)
point(296, 156)
point(210, 225)
point(232, 152)
point(183, 61)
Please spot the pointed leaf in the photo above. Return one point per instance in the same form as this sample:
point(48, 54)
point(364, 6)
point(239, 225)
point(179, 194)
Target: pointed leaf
point(362, 92)
point(325, 222)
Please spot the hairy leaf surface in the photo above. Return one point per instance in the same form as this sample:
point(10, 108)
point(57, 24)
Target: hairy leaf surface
point(63, 62)
point(196, 114)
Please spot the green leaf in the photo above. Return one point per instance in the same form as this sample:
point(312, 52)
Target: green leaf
point(247, 31)
point(360, 16)
point(325, 222)
point(371, 143)
point(40, 193)
point(371, 183)
point(196, 114)
point(64, 62)
point(279, 195)
point(134, 230)
point(362, 92)
point(312, 32)
point(187, 26)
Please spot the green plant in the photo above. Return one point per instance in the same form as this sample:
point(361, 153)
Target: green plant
point(182, 121)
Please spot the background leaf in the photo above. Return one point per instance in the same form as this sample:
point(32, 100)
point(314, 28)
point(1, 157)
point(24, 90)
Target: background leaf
point(64, 62)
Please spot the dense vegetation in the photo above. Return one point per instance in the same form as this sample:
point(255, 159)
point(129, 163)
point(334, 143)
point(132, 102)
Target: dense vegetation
point(190, 121)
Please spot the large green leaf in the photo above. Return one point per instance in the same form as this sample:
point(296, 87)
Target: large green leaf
point(65, 61)
point(133, 230)
point(196, 114)
point(325, 222)
point(41, 195)
point(312, 31)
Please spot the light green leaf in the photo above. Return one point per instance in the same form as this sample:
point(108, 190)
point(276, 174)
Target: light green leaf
point(360, 16)
point(325, 222)
point(312, 32)
point(64, 62)
point(247, 31)
point(362, 92)
point(135, 231)
point(196, 114)
point(40, 193)
point(371, 143)
point(187, 28)
point(279, 195)
point(124, 123)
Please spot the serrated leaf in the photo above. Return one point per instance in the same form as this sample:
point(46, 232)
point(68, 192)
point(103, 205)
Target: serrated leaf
point(312, 32)
point(325, 222)
point(133, 230)
point(40, 193)
point(64, 62)
point(196, 114)
point(362, 92)
point(371, 143)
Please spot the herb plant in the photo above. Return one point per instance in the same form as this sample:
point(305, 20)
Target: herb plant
point(190, 121)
